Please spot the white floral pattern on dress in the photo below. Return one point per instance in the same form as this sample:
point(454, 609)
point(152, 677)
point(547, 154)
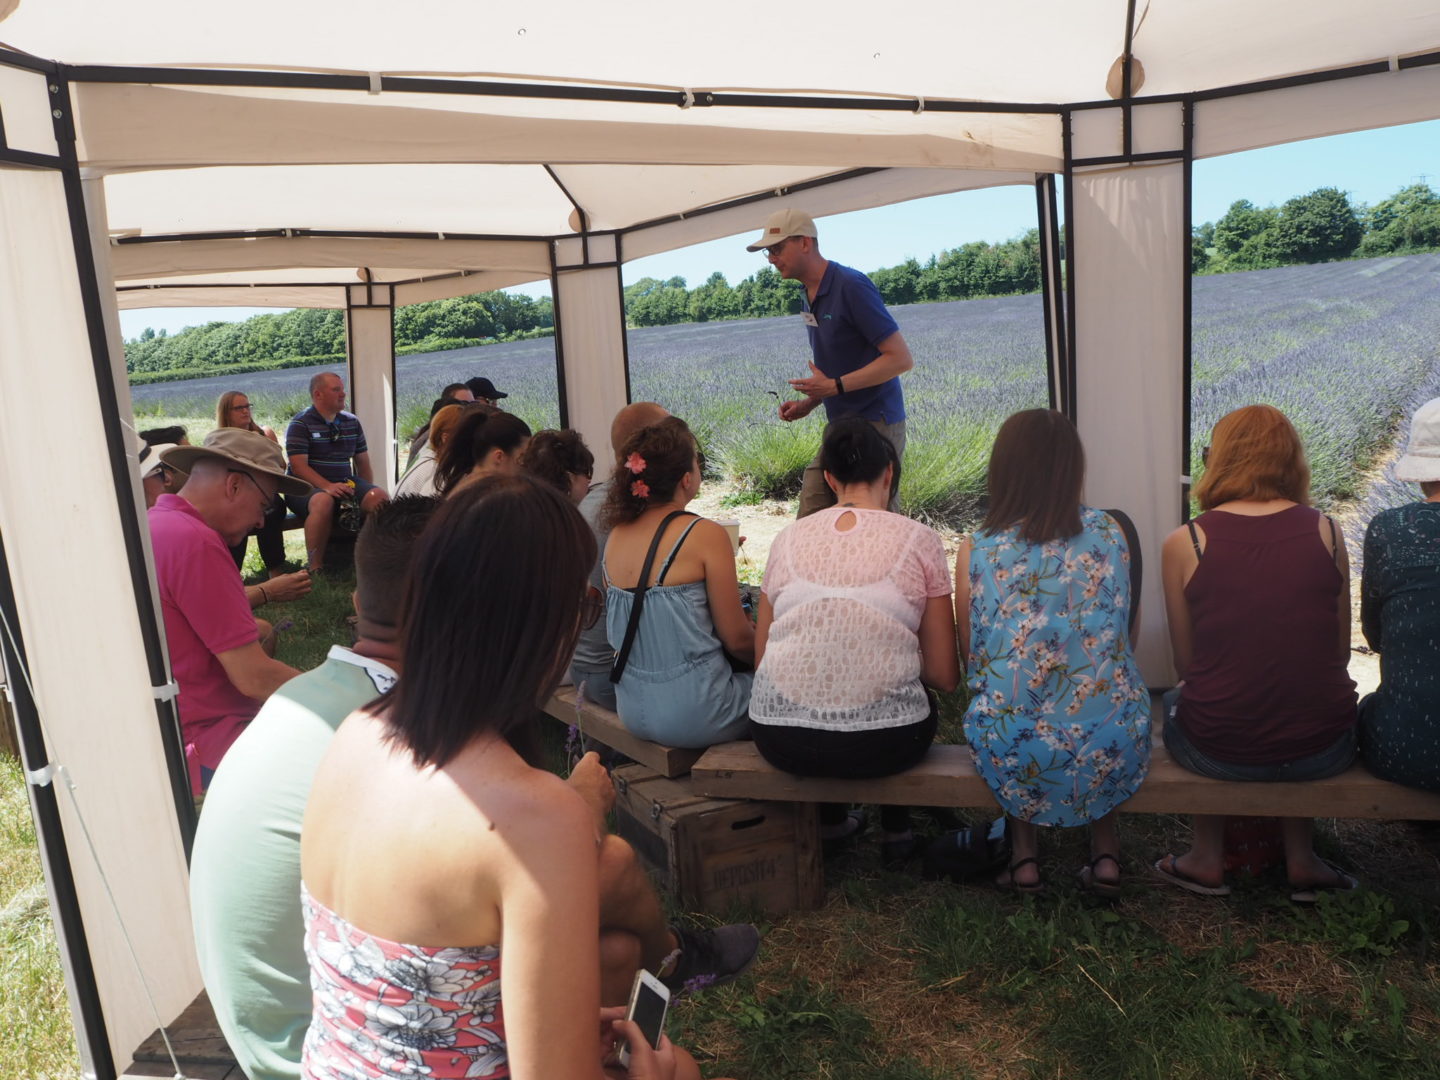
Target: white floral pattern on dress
point(385, 1010)
point(1059, 718)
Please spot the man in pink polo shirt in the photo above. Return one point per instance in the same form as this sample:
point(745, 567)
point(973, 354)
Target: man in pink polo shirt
point(215, 654)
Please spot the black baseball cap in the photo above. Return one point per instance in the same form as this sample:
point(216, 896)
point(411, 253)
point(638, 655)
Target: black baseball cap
point(483, 388)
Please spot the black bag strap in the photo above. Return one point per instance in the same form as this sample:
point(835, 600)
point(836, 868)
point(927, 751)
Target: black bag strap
point(1137, 562)
point(622, 657)
point(1334, 541)
point(1194, 540)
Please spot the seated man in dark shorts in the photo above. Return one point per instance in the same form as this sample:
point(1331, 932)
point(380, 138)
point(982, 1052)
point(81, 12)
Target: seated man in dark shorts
point(326, 447)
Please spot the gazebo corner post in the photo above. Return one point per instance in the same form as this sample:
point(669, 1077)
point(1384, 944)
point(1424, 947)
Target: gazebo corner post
point(1052, 292)
point(370, 353)
point(1128, 231)
point(592, 360)
point(83, 645)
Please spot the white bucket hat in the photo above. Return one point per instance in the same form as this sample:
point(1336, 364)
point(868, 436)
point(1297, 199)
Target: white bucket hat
point(1422, 456)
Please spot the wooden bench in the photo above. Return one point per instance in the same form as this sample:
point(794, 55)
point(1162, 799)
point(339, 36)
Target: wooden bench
point(604, 726)
point(947, 777)
point(200, 1048)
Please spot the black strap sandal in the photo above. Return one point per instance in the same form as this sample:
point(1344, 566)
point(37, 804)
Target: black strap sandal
point(1092, 882)
point(1015, 886)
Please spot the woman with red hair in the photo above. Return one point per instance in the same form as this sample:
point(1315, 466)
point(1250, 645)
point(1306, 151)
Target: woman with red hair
point(1257, 596)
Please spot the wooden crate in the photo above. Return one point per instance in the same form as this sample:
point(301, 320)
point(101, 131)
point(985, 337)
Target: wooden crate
point(713, 853)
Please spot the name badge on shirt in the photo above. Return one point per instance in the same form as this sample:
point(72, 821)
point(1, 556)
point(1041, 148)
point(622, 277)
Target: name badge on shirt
point(809, 318)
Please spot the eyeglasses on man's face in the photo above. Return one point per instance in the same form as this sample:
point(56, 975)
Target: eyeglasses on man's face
point(264, 495)
point(775, 249)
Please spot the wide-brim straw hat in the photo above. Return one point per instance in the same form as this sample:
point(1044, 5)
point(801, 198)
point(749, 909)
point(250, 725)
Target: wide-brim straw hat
point(241, 449)
point(1421, 462)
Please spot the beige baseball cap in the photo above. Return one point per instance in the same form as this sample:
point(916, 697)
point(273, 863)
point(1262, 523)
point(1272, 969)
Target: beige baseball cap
point(243, 449)
point(1421, 462)
point(781, 224)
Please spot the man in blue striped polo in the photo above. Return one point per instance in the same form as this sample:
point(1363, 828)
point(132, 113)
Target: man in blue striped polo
point(326, 447)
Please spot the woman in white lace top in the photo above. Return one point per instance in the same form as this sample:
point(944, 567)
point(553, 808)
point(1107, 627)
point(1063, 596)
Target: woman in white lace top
point(854, 623)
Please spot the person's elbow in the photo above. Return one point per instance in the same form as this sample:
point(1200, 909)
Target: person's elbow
point(944, 684)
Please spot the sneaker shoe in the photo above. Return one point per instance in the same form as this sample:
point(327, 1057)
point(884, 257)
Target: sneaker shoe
point(710, 957)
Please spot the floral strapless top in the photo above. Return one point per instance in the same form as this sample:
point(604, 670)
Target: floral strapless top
point(387, 1010)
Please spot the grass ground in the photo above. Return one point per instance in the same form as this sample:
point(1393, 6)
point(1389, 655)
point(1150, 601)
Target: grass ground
point(896, 978)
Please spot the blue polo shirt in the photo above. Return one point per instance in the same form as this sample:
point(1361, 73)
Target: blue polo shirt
point(850, 323)
point(330, 445)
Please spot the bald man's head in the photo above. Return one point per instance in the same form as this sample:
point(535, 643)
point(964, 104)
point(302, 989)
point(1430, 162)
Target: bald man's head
point(631, 419)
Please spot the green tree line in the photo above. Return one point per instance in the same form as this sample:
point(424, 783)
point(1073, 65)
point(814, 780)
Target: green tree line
point(310, 332)
point(978, 269)
point(1318, 227)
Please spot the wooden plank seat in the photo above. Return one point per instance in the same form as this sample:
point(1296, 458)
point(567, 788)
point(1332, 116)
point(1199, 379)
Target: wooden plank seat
point(605, 727)
point(199, 1045)
point(947, 777)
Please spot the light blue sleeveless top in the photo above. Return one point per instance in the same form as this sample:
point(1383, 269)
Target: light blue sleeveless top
point(678, 688)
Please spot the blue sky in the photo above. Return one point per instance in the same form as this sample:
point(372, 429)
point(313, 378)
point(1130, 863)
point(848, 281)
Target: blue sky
point(1370, 165)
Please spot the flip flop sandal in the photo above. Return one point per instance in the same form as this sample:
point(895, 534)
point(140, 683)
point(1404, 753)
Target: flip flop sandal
point(1015, 886)
point(1100, 887)
point(1309, 894)
point(1181, 880)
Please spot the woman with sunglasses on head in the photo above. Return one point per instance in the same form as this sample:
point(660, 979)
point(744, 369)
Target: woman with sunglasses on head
point(672, 608)
point(233, 410)
point(1045, 601)
point(452, 924)
point(1257, 597)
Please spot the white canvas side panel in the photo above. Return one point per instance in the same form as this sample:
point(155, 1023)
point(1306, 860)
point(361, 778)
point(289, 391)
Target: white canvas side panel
point(1227, 42)
point(861, 193)
point(448, 285)
point(125, 126)
point(393, 198)
point(268, 296)
point(25, 107)
point(370, 340)
point(932, 47)
point(590, 336)
point(1130, 238)
point(1227, 125)
point(160, 260)
point(79, 620)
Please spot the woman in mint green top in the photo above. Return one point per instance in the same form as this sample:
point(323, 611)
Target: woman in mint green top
point(678, 685)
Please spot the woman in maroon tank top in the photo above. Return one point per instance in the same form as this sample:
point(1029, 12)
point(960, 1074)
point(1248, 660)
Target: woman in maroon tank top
point(1257, 596)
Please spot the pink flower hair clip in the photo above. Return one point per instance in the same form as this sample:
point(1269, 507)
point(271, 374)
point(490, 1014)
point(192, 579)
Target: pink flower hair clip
point(635, 463)
point(639, 489)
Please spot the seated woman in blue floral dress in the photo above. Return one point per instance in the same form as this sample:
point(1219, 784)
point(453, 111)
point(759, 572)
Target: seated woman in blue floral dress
point(1059, 718)
point(1400, 614)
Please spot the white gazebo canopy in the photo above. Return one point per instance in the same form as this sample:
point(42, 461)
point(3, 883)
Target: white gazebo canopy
point(361, 154)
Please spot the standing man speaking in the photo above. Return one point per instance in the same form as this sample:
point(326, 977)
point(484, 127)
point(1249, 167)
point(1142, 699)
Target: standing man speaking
point(859, 353)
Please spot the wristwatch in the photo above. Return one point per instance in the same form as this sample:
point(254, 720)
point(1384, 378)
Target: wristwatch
point(839, 385)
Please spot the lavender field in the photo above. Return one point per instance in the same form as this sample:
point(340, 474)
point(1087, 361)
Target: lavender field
point(1346, 349)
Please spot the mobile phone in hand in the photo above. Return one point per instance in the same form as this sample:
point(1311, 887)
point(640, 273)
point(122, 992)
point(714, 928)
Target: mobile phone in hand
point(649, 1002)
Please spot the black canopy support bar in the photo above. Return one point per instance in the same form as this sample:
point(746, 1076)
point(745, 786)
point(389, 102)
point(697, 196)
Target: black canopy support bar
point(120, 472)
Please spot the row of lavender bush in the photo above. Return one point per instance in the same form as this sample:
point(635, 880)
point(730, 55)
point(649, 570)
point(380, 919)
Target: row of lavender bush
point(1346, 349)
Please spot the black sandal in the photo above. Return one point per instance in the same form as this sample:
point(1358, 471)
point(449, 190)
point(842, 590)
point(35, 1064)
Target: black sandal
point(1092, 882)
point(1015, 886)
